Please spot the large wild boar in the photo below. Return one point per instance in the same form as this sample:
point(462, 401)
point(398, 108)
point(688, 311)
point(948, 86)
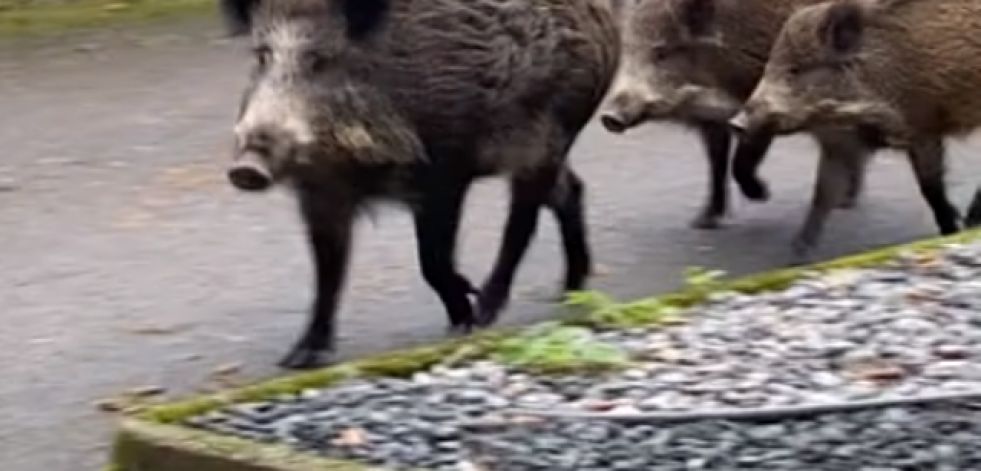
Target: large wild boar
point(354, 102)
point(905, 73)
point(694, 62)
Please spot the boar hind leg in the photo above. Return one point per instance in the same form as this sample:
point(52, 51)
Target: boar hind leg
point(928, 161)
point(974, 210)
point(437, 220)
point(716, 139)
point(530, 191)
point(567, 203)
point(329, 235)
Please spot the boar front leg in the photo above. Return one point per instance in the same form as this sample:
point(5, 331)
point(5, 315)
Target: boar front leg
point(328, 228)
point(716, 139)
point(830, 185)
point(857, 169)
point(750, 152)
point(437, 221)
point(928, 160)
point(567, 203)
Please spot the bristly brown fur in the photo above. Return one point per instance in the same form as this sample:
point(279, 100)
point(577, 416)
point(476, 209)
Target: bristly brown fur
point(904, 73)
point(747, 29)
point(447, 69)
point(357, 101)
point(913, 57)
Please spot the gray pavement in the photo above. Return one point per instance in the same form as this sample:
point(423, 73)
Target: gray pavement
point(115, 221)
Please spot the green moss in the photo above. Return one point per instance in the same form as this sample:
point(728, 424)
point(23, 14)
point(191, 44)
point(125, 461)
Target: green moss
point(148, 446)
point(397, 364)
point(554, 348)
point(155, 424)
point(662, 308)
point(18, 19)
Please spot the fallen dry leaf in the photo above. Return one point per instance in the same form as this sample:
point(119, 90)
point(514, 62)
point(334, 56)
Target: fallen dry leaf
point(350, 437)
point(467, 465)
point(927, 261)
point(878, 373)
point(525, 419)
point(131, 400)
point(920, 295)
point(110, 405)
point(146, 391)
point(156, 329)
point(602, 406)
point(227, 369)
point(665, 355)
point(600, 270)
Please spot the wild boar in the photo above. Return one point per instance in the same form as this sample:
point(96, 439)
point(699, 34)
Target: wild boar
point(694, 62)
point(358, 102)
point(905, 73)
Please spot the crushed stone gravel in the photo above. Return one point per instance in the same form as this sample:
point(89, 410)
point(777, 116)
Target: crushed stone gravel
point(909, 328)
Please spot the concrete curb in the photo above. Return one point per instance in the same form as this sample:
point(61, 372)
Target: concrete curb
point(153, 441)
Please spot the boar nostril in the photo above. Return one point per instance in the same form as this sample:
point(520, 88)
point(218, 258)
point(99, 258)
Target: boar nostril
point(249, 174)
point(613, 123)
point(249, 179)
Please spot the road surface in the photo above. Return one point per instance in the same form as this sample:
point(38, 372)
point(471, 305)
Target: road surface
point(128, 261)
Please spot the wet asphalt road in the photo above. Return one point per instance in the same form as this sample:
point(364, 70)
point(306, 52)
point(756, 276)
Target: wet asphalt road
point(115, 221)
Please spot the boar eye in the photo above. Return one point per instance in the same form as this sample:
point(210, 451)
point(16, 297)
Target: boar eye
point(314, 61)
point(660, 53)
point(262, 55)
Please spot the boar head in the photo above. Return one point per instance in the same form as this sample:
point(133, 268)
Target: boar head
point(670, 67)
point(311, 106)
point(819, 76)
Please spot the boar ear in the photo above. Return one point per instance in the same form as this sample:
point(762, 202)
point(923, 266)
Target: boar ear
point(842, 29)
point(697, 16)
point(364, 16)
point(238, 15)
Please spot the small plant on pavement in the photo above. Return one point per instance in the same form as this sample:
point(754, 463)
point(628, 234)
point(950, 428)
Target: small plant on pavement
point(557, 348)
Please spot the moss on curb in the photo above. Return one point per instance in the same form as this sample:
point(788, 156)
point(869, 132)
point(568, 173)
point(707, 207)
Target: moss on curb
point(152, 441)
point(34, 19)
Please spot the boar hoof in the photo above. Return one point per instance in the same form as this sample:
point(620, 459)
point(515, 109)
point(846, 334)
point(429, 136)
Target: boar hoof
point(707, 220)
point(459, 330)
point(489, 307)
point(303, 357)
point(849, 202)
point(755, 190)
point(972, 220)
point(802, 253)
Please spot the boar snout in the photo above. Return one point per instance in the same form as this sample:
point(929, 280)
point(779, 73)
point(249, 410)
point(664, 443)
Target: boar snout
point(627, 112)
point(755, 116)
point(739, 123)
point(624, 112)
point(748, 120)
point(250, 173)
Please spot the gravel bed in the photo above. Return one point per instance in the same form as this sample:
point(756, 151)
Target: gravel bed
point(908, 329)
point(937, 437)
